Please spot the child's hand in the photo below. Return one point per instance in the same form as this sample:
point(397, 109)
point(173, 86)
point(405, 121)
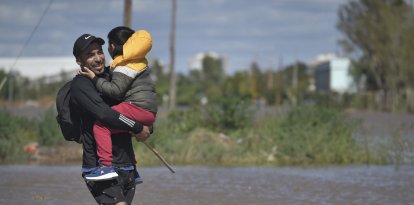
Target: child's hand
point(86, 72)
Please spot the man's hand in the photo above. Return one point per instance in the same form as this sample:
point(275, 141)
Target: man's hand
point(143, 135)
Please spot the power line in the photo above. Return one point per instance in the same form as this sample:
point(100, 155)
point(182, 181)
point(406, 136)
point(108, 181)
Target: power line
point(27, 42)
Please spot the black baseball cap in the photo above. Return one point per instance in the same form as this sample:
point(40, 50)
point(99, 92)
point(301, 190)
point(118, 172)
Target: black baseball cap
point(83, 42)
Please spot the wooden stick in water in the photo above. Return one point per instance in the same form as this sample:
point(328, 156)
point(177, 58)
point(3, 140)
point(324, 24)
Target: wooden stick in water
point(159, 156)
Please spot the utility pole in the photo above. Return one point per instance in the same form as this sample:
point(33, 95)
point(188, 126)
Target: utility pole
point(278, 82)
point(295, 83)
point(127, 13)
point(295, 76)
point(278, 89)
point(11, 87)
point(172, 92)
point(253, 88)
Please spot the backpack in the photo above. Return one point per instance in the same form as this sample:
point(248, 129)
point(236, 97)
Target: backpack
point(68, 118)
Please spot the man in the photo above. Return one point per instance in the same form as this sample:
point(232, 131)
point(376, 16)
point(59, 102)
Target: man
point(92, 106)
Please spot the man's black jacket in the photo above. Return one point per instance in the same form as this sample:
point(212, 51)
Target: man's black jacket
point(92, 106)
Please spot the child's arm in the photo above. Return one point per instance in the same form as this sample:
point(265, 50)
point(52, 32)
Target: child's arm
point(122, 78)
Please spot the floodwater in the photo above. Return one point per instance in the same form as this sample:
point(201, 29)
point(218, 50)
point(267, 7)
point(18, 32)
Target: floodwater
point(25, 184)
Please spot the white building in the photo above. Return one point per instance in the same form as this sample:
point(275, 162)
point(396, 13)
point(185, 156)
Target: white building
point(36, 67)
point(333, 75)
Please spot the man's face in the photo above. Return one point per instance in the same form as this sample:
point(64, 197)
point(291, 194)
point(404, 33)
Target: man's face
point(93, 58)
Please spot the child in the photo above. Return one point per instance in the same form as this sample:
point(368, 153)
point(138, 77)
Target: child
point(131, 83)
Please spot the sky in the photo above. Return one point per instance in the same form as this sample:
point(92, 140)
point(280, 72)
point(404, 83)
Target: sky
point(269, 32)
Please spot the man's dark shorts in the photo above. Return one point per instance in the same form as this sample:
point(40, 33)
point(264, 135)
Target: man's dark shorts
point(121, 189)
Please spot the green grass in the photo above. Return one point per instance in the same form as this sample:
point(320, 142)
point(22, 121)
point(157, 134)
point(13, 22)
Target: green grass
point(225, 134)
point(306, 135)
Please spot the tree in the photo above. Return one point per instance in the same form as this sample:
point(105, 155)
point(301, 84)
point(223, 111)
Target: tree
point(238, 85)
point(213, 68)
point(3, 92)
point(379, 33)
point(255, 80)
point(161, 79)
point(212, 77)
point(296, 82)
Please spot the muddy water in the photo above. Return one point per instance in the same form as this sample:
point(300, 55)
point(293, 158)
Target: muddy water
point(227, 186)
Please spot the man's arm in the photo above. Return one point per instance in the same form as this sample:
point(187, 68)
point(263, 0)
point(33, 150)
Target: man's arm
point(84, 93)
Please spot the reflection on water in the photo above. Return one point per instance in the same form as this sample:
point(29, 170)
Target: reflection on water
point(226, 186)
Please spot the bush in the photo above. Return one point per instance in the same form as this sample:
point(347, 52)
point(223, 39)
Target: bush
point(12, 134)
point(183, 120)
point(311, 135)
point(227, 114)
point(48, 130)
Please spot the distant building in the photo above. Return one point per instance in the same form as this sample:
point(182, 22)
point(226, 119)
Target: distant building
point(322, 58)
point(333, 75)
point(40, 67)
